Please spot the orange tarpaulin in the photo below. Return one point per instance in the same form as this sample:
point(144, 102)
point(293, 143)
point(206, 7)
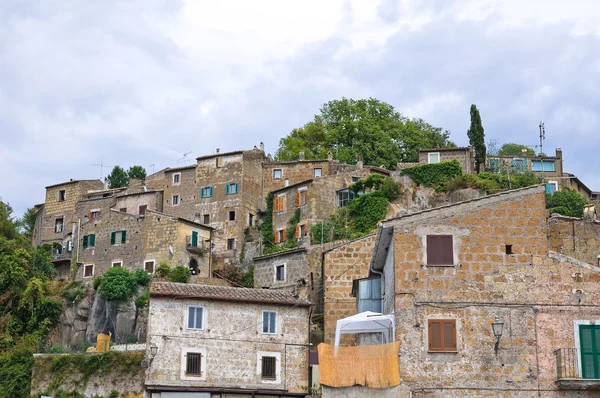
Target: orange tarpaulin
point(373, 366)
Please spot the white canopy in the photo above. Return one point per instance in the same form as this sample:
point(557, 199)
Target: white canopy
point(367, 322)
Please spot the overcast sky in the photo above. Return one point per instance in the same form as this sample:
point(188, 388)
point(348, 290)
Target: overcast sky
point(143, 82)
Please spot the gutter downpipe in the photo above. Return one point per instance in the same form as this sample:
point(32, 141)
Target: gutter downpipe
point(78, 240)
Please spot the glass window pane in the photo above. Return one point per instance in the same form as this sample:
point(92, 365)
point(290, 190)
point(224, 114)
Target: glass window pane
point(191, 314)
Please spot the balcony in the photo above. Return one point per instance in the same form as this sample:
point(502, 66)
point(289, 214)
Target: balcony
point(196, 245)
point(58, 257)
point(577, 372)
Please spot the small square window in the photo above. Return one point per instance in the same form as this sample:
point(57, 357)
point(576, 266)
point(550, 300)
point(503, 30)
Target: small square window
point(354, 178)
point(508, 249)
point(118, 237)
point(268, 368)
point(280, 272)
point(433, 157)
point(175, 200)
point(88, 270)
point(219, 162)
point(59, 224)
point(231, 244)
point(89, 240)
point(280, 236)
point(142, 209)
point(206, 192)
point(231, 189)
point(206, 219)
point(301, 198)
point(95, 214)
point(195, 318)
point(441, 335)
point(193, 364)
point(317, 172)
point(176, 178)
point(123, 209)
point(232, 215)
point(277, 174)
point(62, 195)
point(269, 324)
point(149, 266)
point(440, 251)
point(117, 263)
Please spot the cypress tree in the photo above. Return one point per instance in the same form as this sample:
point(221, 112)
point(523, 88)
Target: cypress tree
point(477, 138)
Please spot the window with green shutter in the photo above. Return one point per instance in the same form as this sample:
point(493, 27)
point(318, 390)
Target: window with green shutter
point(113, 237)
point(92, 240)
point(85, 241)
point(194, 239)
point(118, 237)
point(589, 340)
point(123, 236)
point(231, 188)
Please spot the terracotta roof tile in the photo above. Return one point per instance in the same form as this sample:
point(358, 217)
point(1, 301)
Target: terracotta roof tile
point(239, 294)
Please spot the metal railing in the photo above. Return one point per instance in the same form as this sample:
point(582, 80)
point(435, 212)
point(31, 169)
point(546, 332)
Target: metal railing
point(571, 364)
point(200, 244)
point(64, 255)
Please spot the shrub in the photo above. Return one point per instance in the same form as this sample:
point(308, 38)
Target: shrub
point(118, 284)
point(368, 209)
point(562, 210)
point(566, 199)
point(179, 274)
point(143, 299)
point(163, 271)
point(97, 282)
point(141, 277)
point(317, 229)
point(434, 175)
point(391, 189)
point(74, 291)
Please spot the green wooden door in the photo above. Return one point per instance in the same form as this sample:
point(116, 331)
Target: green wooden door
point(589, 339)
point(194, 239)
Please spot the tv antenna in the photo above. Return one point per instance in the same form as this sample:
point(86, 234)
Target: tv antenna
point(184, 159)
point(152, 165)
point(542, 136)
point(102, 166)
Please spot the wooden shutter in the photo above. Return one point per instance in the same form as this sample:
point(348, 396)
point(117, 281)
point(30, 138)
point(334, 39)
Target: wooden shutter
point(276, 236)
point(284, 238)
point(123, 236)
point(441, 334)
point(194, 238)
point(90, 216)
point(85, 241)
point(113, 236)
point(92, 241)
point(298, 234)
point(298, 199)
point(435, 335)
point(439, 250)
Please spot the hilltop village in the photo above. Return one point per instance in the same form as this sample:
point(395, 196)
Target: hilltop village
point(315, 277)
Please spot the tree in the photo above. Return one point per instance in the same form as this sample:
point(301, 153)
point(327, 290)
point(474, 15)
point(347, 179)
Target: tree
point(117, 178)
point(512, 149)
point(27, 222)
point(566, 202)
point(477, 137)
point(367, 128)
point(137, 172)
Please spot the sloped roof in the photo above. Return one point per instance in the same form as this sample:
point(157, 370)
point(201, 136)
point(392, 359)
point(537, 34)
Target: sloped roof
point(222, 293)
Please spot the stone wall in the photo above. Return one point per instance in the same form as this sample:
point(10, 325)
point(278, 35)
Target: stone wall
point(578, 238)
point(293, 171)
point(463, 156)
point(132, 202)
point(188, 191)
point(232, 340)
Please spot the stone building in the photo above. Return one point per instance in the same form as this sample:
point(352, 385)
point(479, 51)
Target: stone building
point(227, 342)
point(571, 181)
point(133, 241)
point(549, 168)
point(464, 156)
point(575, 237)
point(448, 273)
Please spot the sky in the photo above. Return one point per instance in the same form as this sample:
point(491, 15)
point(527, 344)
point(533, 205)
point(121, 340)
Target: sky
point(143, 82)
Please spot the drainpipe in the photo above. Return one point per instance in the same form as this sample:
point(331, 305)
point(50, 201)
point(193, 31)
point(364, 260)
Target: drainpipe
point(78, 240)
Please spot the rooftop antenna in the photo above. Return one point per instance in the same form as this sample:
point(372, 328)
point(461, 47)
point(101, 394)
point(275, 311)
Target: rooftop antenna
point(184, 159)
point(542, 138)
point(102, 166)
point(152, 165)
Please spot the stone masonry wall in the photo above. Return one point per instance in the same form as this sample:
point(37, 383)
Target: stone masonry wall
point(293, 171)
point(188, 191)
point(464, 157)
point(153, 200)
point(578, 238)
point(232, 338)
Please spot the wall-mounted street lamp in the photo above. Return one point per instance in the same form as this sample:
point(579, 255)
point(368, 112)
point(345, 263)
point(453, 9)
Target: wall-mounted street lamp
point(497, 327)
point(153, 351)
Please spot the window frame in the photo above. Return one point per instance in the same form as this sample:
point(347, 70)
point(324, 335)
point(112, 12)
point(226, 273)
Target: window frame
point(204, 190)
point(178, 175)
point(231, 240)
point(204, 219)
point(56, 224)
point(262, 324)
point(203, 359)
point(228, 190)
point(315, 172)
point(121, 241)
point(153, 266)
point(113, 262)
point(554, 184)
point(277, 355)
point(344, 202)
point(428, 244)
point(279, 205)
point(276, 268)
point(187, 317)
point(62, 195)
point(231, 212)
point(173, 200)
point(439, 159)
point(372, 299)
point(87, 242)
point(280, 174)
point(144, 206)
point(442, 321)
point(93, 270)
point(302, 197)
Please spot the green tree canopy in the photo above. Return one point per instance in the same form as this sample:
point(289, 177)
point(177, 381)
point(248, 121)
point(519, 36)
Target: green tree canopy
point(366, 128)
point(566, 202)
point(27, 222)
point(118, 178)
point(512, 149)
point(477, 137)
point(137, 172)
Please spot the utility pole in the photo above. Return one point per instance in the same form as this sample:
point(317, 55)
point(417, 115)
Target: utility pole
point(542, 138)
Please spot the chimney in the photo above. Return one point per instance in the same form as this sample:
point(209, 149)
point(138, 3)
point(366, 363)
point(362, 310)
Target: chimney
point(559, 153)
point(524, 152)
point(301, 155)
point(105, 183)
point(329, 156)
point(359, 162)
point(262, 146)
point(218, 150)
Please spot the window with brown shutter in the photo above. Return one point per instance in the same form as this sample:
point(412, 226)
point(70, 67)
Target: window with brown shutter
point(298, 199)
point(298, 231)
point(439, 250)
point(441, 335)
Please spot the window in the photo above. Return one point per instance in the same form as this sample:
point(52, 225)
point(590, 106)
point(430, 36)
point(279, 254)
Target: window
point(344, 197)
point(194, 239)
point(206, 219)
point(519, 165)
point(142, 209)
point(354, 178)
point(58, 224)
point(495, 165)
point(88, 270)
point(231, 244)
point(206, 192)
point(193, 364)
point(301, 198)
point(433, 157)
point(232, 215)
point(269, 324)
point(439, 250)
point(123, 209)
point(231, 188)
point(300, 231)
point(589, 345)
point(118, 263)
point(62, 195)
point(368, 294)
point(508, 249)
point(441, 335)
point(175, 200)
point(250, 219)
point(542, 165)
point(118, 237)
point(94, 214)
point(277, 174)
point(195, 318)
point(280, 272)
point(89, 240)
point(176, 178)
point(149, 266)
point(268, 368)
point(280, 236)
point(551, 187)
point(219, 162)
point(279, 204)
point(317, 172)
